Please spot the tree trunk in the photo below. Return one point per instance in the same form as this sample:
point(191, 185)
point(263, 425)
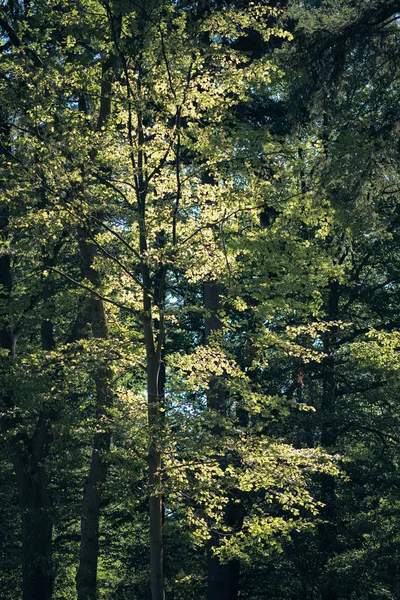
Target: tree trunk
point(155, 495)
point(34, 501)
point(86, 578)
point(327, 531)
point(154, 341)
point(7, 338)
point(222, 579)
point(28, 453)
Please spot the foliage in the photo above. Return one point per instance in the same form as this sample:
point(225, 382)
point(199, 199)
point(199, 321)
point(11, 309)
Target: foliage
point(173, 146)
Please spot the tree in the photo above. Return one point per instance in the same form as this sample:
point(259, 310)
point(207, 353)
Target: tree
point(150, 151)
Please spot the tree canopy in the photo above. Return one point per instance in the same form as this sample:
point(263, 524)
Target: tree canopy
point(199, 314)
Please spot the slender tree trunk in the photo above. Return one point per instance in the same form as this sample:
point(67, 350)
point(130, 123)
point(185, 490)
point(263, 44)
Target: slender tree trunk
point(155, 498)
point(28, 453)
point(222, 579)
point(7, 338)
point(34, 498)
point(327, 531)
point(154, 341)
point(86, 578)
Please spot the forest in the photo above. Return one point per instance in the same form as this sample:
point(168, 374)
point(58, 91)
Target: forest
point(199, 299)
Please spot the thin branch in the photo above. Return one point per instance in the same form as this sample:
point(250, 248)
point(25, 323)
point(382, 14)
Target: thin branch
point(232, 214)
point(381, 434)
point(225, 250)
point(108, 183)
point(117, 235)
point(115, 259)
point(178, 178)
point(15, 40)
point(92, 291)
point(348, 389)
point(381, 326)
point(162, 162)
point(128, 93)
point(171, 85)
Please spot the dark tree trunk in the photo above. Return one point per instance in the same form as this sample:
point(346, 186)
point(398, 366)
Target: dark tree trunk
point(28, 457)
point(154, 340)
point(86, 578)
point(327, 531)
point(7, 338)
point(34, 501)
point(28, 453)
point(155, 495)
point(222, 579)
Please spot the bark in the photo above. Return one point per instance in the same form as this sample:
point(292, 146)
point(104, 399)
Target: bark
point(86, 578)
point(7, 338)
point(28, 453)
point(327, 531)
point(28, 457)
point(34, 501)
point(155, 497)
point(216, 395)
point(222, 579)
point(154, 341)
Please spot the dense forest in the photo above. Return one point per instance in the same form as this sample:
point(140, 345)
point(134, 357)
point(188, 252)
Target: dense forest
point(199, 300)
